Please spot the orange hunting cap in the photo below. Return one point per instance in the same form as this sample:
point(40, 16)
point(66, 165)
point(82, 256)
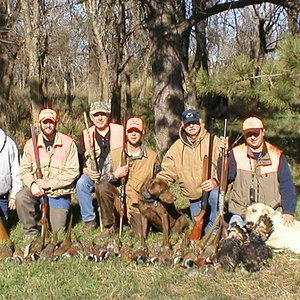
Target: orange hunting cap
point(135, 123)
point(48, 114)
point(253, 123)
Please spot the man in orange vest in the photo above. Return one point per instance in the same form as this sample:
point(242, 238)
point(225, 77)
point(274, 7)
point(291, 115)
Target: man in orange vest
point(97, 141)
point(260, 173)
point(60, 167)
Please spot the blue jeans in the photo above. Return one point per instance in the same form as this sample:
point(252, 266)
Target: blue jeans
point(84, 189)
point(4, 208)
point(195, 207)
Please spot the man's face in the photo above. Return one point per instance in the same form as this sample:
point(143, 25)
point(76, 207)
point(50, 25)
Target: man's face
point(134, 136)
point(48, 128)
point(100, 120)
point(254, 138)
point(192, 129)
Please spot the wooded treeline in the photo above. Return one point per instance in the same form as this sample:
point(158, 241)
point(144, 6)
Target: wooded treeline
point(173, 54)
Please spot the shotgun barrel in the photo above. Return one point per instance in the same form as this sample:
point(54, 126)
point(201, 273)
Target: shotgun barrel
point(93, 164)
point(224, 171)
point(223, 183)
point(123, 182)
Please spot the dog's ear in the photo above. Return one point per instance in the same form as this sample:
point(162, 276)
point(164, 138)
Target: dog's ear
point(167, 197)
point(269, 211)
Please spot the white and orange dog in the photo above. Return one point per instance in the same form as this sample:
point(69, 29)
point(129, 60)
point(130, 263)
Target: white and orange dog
point(283, 237)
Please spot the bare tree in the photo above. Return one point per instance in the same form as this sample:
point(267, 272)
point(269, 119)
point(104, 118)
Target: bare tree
point(9, 12)
point(107, 38)
point(168, 34)
point(33, 11)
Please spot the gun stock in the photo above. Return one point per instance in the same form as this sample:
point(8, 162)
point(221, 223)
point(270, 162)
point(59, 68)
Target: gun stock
point(196, 233)
point(39, 175)
point(3, 232)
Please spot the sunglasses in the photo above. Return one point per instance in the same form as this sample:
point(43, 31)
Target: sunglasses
point(254, 133)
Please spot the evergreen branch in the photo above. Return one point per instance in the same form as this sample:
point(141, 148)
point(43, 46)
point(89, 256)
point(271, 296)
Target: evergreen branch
point(265, 76)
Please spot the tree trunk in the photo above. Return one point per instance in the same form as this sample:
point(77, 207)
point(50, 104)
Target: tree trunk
point(32, 23)
point(128, 97)
point(8, 49)
point(167, 78)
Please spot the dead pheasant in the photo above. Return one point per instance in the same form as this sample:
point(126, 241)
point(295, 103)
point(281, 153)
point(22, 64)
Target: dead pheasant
point(229, 249)
point(255, 254)
point(48, 251)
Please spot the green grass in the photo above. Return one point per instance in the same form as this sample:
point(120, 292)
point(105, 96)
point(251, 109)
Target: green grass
point(77, 278)
point(116, 279)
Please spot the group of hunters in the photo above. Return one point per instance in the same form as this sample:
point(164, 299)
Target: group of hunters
point(255, 167)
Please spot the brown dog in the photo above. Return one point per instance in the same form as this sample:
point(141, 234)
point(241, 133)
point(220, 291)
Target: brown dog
point(156, 206)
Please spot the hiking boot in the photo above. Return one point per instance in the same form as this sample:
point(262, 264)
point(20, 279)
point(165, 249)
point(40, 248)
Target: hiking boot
point(89, 226)
point(108, 231)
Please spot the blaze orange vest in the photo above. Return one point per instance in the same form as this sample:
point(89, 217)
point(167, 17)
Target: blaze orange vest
point(116, 137)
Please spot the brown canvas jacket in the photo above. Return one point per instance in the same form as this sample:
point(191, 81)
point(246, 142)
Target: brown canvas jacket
point(183, 162)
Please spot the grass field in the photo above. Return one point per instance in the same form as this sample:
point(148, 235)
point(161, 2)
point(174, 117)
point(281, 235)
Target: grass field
point(77, 278)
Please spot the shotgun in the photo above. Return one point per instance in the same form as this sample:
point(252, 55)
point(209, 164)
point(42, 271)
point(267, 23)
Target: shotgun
point(123, 182)
point(197, 229)
point(39, 175)
point(223, 183)
point(93, 163)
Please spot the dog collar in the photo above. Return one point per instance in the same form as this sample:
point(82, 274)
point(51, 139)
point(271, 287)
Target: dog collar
point(149, 198)
point(146, 195)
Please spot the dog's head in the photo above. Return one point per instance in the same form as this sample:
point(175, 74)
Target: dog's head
point(256, 210)
point(159, 189)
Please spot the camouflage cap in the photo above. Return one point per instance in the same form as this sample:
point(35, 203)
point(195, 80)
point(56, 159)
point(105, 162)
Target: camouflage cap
point(103, 106)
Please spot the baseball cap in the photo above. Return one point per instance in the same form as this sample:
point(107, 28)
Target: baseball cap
point(103, 106)
point(48, 114)
point(136, 123)
point(190, 115)
point(253, 123)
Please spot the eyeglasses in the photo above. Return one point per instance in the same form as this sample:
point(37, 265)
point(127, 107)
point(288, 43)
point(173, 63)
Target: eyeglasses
point(254, 133)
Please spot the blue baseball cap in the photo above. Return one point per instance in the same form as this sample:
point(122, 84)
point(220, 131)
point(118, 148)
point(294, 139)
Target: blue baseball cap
point(190, 115)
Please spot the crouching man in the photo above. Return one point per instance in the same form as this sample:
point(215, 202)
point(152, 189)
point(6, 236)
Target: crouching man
point(141, 166)
point(60, 167)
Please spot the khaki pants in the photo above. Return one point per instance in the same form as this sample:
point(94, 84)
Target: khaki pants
point(27, 211)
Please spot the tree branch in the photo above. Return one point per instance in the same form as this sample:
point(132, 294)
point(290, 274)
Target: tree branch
point(218, 8)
